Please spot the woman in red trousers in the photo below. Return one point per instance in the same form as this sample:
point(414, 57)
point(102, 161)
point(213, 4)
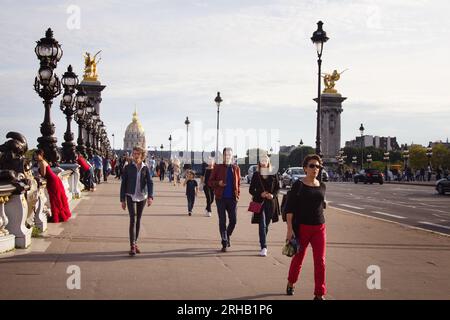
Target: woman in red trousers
point(305, 221)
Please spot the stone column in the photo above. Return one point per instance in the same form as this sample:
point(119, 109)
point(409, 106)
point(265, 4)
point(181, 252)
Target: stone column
point(16, 210)
point(74, 179)
point(41, 209)
point(330, 127)
point(7, 240)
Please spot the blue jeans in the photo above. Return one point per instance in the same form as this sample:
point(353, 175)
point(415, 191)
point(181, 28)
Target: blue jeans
point(266, 217)
point(191, 201)
point(224, 206)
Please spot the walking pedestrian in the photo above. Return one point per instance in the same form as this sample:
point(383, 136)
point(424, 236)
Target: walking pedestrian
point(209, 192)
point(98, 167)
point(176, 172)
point(136, 188)
point(191, 190)
point(264, 188)
point(226, 181)
point(305, 221)
point(162, 169)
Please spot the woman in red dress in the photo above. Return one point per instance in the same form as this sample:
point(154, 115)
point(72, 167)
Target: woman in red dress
point(57, 195)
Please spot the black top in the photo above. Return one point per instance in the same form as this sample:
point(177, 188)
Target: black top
point(259, 184)
point(306, 203)
point(190, 187)
point(270, 184)
point(207, 175)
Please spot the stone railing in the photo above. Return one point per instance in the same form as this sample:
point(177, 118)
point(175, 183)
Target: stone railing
point(7, 240)
point(16, 211)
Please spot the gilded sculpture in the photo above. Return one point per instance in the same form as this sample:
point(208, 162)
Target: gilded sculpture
point(90, 66)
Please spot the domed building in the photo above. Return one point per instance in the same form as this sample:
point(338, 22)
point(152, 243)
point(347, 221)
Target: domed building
point(134, 135)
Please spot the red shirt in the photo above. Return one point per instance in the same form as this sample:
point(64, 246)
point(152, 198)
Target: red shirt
point(83, 164)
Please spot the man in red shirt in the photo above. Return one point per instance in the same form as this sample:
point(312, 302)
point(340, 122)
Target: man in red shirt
point(85, 172)
point(225, 180)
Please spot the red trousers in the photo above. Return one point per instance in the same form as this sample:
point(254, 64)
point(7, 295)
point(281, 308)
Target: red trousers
point(314, 234)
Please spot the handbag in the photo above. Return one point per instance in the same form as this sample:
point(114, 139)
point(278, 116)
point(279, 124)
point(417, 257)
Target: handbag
point(255, 206)
point(290, 248)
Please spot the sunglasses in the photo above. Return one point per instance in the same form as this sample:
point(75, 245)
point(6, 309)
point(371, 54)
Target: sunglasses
point(314, 166)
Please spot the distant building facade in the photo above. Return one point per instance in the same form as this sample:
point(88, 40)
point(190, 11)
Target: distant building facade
point(384, 143)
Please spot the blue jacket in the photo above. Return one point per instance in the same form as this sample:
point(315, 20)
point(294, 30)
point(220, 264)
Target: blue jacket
point(128, 184)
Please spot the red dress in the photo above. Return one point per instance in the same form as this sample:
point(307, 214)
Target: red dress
point(58, 199)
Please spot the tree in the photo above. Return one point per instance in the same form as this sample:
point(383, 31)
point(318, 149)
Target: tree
point(441, 156)
point(298, 154)
point(417, 157)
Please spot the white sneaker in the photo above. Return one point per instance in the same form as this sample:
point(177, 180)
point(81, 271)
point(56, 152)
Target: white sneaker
point(207, 213)
point(263, 252)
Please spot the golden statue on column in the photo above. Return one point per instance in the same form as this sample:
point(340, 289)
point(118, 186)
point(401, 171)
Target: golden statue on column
point(90, 66)
point(330, 79)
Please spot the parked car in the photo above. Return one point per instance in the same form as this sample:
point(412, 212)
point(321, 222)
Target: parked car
point(324, 175)
point(291, 175)
point(369, 176)
point(250, 173)
point(443, 185)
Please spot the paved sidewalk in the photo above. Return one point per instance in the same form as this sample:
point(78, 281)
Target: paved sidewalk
point(180, 257)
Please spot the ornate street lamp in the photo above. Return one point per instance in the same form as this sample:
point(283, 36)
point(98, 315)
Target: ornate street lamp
point(89, 122)
point(218, 100)
point(386, 158)
point(162, 147)
point(319, 37)
point(369, 160)
point(170, 146)
point(48, 87)
point(361, 129)
point(80, 118)
point(405, 157)
point(187, 122)
point(69, 108)
point(354, 161)
point(429, 154)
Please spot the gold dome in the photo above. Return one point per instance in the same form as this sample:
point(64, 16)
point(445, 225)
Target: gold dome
point(135, 126)
point(134, 134)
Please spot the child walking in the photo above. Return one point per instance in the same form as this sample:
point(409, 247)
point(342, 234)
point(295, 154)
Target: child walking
point(191, 190)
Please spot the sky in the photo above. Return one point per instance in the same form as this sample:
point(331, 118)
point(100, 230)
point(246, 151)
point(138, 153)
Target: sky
point(169, 58)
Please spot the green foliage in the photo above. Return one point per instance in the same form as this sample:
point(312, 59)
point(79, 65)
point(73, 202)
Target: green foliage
point(441, 156)
point(418, 157)
point(295, 158)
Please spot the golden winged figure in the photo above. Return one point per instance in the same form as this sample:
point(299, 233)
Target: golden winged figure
point(330, 79)
point(90, 66)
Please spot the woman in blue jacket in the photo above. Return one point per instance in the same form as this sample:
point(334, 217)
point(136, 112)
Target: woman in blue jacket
point(136, 188)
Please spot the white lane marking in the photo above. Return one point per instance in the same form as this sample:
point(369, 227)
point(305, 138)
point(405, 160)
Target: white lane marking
point(390, 221)
point(434, 224)
point(388, 214)
point(349, 206)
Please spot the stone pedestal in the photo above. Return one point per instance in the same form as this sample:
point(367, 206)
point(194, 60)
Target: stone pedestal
point(7, 240)
point(41, 209)
point(64, 175)
point(74, 179)
point(330, 127)
point(16, 210)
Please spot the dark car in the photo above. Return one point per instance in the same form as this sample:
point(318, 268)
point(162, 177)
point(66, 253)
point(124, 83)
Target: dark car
point(443, 185)
point(369, 176)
